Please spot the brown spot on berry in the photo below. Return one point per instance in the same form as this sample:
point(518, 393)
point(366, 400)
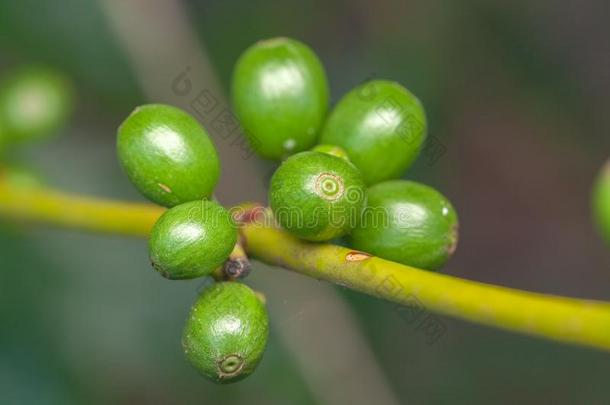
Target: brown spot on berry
point(164, 188)
point(454, 239)
point(355, 256)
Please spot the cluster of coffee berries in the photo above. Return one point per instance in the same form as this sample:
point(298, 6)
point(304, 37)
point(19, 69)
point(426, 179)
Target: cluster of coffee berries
point(337, 179)
point(34, 103)
point(170, 158)
point(345, 186)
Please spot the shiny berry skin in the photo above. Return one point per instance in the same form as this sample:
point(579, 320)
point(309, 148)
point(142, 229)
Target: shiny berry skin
point(317, 196)
point(280, 95)
point(35, 102)
point(601, 202)
point(409, 223)
point(192, 240)
point(381, 126)
point(226, 333)
point(167, 155)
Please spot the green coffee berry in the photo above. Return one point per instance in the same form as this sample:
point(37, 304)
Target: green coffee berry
point(226, 333)
point(381, 126)
point(20, 177)
point(167, 155)
point(409, 223)
point(34, 103)
point(3, 139)
point(317, 196)
point(601, 202)
point(192, 240)
point(331, 150)
point(280, 95)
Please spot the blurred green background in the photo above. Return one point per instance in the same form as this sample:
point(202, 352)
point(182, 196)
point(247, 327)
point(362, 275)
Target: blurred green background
point(518, 93)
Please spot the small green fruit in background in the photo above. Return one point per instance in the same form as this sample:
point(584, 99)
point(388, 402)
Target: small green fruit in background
point(167, 155)
point(331, 150)
point(409, 223)
point(280, 95)
point(601, 202)
point(317, 196)
point(226, 333)
point(192, 240)
point(3, 139)
point(20, 177)
point(34, 103)
point(381, 126)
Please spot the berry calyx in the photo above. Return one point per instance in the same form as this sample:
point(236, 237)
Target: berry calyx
point(226, 333)
point(316, 196)
point(280, 95)
point(167, 155)
point(192, 240)
point(381, 126)
point(409, 223)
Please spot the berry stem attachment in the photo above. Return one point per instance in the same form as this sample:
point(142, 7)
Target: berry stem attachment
point(567, 320)
point(238, 266)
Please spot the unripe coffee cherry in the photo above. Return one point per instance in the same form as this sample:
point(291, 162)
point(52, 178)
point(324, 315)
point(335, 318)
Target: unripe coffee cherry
point(381, 126)
point(280, 95)
point(226, 333)
point(316, 196)
point(192, 240)
point(167, 155)
point(20, 177)
point(601, 202)
point(3, 139)
point(34, 103)
point(409, 223)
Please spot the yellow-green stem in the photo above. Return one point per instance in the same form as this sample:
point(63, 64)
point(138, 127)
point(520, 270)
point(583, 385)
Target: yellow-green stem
point(71, 211)
point(570, 320)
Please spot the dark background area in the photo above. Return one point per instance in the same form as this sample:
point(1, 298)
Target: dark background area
point(519, 95)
